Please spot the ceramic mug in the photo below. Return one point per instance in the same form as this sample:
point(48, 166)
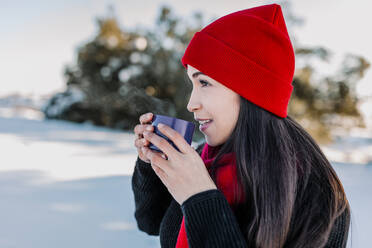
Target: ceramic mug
point(185, 128)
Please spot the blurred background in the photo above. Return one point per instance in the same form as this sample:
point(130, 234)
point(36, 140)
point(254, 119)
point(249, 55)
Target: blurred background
point(76, 75)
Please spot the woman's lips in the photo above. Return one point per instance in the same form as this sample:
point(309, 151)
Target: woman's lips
point(203, 127)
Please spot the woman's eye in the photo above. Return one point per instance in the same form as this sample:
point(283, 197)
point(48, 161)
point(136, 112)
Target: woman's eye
point(203, 82)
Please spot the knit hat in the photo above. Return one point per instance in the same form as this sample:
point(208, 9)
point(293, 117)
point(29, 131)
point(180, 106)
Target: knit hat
point(250, 52)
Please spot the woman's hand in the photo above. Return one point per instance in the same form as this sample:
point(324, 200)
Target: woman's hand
point(140, 142)
point(183, 173)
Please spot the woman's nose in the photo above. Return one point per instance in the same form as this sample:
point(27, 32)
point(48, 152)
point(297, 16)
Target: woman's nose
point(192, 107)
point(193, 103)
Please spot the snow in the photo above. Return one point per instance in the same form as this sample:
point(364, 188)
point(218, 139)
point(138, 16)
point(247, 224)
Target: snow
point(63, 100)
point(69, 185)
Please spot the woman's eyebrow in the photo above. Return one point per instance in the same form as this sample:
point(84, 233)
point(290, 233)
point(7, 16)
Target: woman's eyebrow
point(194, 75)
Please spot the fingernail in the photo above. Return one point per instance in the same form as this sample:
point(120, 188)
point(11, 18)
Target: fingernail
point(145, 133)
point(149, 128)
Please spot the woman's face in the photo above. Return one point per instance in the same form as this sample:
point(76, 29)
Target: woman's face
point(212, 100)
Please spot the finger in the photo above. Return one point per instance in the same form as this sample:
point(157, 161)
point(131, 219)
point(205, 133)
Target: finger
point(140, 128)
point(156, 159)
point(137, 130)
point(160, 173)
point(175, 136)
point(145, 118)
point(164, 156)
point(141, 142)
point(161, 143)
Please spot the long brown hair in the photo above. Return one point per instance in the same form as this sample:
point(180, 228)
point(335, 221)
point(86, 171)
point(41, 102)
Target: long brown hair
point(293, 193)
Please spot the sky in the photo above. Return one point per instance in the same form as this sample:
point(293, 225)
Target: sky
point(39, 38)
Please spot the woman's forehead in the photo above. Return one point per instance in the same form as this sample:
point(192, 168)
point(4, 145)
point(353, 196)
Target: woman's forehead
point(192, 72)
point(191, 69)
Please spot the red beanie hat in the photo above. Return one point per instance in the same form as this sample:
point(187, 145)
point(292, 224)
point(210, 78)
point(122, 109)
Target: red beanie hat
point(250, 52)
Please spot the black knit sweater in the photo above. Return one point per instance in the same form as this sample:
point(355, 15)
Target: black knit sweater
point(209, 219)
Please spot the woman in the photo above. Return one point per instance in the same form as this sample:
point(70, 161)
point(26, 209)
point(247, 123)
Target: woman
point(259, 180)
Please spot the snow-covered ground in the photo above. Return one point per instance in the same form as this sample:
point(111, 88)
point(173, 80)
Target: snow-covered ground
point(68, 185)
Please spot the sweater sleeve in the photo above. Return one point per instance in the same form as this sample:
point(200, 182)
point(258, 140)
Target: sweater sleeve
point(151, 198)
point(210, 221)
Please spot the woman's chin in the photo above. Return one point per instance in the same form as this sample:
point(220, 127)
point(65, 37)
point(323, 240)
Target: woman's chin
point(207, 140)
point(210, 142)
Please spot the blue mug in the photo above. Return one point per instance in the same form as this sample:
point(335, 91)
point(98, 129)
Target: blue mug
point(185, 128)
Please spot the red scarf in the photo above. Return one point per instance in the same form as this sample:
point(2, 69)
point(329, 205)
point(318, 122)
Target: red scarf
point(226, 178)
